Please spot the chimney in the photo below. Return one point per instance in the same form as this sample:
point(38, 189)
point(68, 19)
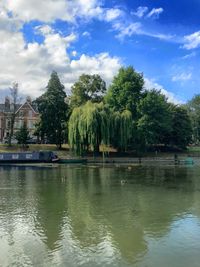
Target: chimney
point(28, 99)
point(7, 103)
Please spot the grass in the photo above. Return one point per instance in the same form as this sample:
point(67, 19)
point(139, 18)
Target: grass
point(194, 149)
point(66, 153)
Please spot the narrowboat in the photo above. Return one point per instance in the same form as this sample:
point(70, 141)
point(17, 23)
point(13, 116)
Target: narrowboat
point(28, 157)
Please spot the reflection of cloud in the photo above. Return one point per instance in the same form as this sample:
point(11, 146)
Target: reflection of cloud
point(82, 215)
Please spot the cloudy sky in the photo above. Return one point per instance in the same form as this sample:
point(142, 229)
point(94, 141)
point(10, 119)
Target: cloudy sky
point(159, 38)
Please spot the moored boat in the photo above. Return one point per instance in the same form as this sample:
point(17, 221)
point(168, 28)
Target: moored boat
point(28, 157)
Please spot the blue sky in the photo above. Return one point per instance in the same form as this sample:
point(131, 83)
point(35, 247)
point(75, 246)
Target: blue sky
point(159, 38)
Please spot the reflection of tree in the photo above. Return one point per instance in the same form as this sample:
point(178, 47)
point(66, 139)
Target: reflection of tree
point(148, 202)
point(98, 206)
point(51, 205)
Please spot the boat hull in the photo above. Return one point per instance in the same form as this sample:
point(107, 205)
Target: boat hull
point(28, 157)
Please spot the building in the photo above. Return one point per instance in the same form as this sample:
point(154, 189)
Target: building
point(25, 113)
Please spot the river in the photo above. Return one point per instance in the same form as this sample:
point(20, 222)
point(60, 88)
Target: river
point(117, 216)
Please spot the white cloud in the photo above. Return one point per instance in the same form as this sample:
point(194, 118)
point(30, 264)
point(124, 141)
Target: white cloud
point(8, 23)
point(191, 55)
point(112, 14)
point(126, 30)
point(31, 64)
point(48, 11)
point(155, 13)
point(151, 84)
point(161, 36)
point(182, 77)
point(192, 41)
point(74, 53)
point(86, 34)
point(44, 30)
point(141, 10)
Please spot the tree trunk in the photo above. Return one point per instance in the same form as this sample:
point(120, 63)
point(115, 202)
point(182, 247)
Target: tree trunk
point(12, 122)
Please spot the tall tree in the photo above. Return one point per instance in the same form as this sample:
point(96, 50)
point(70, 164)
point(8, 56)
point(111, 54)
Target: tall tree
point(155, 118)
point(88, 87)
point(126, 90)
point(93, 124)
point(53, 111)
point(181, 128)
point(193, 107)
point(14, 99)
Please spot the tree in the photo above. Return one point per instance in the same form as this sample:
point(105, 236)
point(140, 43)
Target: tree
point(22, 135)
point(14, 95)
point(53, 111)
point(122, 124)
point(155, 118)
point(125, 91)
point(89, 126)
point(88, 87)
point(193, 107)
point(181, 129)
point(93, 124)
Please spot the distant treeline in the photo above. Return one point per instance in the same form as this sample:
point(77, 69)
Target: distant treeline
point(126, 116)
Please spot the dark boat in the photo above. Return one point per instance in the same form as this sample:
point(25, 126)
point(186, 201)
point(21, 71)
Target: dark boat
point(28, 157)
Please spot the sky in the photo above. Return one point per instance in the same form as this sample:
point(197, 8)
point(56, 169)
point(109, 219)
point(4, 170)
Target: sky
point(159, 38)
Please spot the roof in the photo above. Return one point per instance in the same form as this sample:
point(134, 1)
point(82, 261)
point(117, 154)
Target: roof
point(6, 108)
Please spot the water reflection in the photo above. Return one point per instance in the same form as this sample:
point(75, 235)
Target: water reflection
point(85, 216)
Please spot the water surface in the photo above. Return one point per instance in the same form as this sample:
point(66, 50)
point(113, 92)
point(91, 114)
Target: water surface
point(92, 216)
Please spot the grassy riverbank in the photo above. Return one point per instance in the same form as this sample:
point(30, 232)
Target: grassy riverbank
point(65, 151)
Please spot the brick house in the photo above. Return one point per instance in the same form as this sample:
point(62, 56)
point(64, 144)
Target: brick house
point(25, 113)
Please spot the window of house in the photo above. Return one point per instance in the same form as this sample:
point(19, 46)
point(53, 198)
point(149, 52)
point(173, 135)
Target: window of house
point(30, 124)
point(30, 113)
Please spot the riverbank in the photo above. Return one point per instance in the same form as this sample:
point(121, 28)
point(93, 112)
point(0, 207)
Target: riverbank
point(112, 157)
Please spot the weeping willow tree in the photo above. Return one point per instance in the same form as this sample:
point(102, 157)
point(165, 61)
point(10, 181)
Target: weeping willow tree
point(89, 126)
point(94, 124)
point(122, 125)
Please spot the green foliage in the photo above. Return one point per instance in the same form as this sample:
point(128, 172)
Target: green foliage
point(88, 126)
point(181, 134)
point(155, 118)
point(88, 87)
point(94, 123)
point(193, 107)
point(53, 111)
point(122, 126)
point(125, 91)
point(22, 135)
